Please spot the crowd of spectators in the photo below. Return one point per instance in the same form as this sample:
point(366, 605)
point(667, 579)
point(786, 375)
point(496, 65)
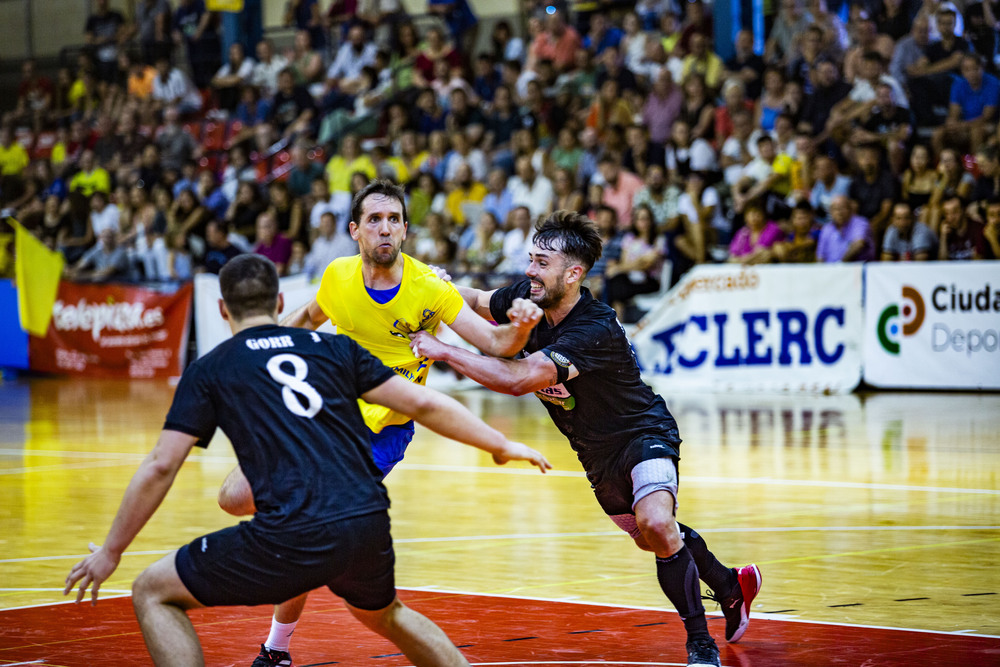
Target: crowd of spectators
point(872, 138)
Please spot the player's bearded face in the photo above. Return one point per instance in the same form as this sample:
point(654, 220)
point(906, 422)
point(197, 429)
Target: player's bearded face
point(381, 231)
point(548, 284)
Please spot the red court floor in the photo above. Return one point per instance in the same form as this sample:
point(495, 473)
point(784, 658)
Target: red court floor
point(490, 630)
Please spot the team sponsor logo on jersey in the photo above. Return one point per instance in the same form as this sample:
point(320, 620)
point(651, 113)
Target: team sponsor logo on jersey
point(557, 394)
point(403, 329)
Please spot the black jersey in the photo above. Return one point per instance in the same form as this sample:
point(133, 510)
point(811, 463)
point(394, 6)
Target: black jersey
point(607, 405)
point(287, 399)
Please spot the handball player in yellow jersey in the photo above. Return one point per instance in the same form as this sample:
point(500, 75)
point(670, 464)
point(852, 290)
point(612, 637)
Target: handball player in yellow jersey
point(378, 298)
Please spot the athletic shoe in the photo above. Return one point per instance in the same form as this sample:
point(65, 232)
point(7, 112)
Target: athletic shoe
point(702, 652)
point(736, 605)
point(271, 658)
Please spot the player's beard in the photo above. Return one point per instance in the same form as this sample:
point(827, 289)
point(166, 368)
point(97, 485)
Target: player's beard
point(550, 295)
point(383, 257)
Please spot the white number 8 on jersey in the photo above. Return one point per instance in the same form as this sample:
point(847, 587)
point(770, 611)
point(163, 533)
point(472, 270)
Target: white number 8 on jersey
point(295, 384)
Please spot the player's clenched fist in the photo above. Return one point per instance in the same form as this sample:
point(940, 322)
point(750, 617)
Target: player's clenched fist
point(524, 313)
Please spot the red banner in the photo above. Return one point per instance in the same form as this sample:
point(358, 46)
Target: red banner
point(114, 331)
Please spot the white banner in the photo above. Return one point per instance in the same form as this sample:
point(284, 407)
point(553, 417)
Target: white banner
point(768, 328)
point(933, 325)
point(211, 329)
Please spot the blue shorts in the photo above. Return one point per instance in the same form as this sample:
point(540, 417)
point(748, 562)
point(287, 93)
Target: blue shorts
point(389, 445)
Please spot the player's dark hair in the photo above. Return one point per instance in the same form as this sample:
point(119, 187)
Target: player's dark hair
point(379, 186)
point(572, 234)
point(249, 284)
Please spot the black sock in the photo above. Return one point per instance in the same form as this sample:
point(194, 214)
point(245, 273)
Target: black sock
point(678, 577)
point(717, 576)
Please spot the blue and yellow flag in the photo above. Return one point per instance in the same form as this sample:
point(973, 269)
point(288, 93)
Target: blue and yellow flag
point(37, 270)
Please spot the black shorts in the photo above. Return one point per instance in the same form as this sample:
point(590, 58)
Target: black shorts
point(612, 481)
point(244, 565)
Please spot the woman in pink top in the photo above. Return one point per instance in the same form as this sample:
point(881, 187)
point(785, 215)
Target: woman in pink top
point(753, 242)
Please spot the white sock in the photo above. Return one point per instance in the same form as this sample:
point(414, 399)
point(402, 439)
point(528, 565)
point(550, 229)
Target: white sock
point(281, 635)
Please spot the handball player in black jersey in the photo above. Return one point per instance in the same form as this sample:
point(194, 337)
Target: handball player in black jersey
point(287, 399)
point(579, 362)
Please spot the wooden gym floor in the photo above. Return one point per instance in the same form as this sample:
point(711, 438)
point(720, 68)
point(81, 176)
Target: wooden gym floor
point(875, 521)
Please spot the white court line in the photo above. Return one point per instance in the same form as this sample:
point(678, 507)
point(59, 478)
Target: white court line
point(770, 617)
point(689, 479)
point(700, 479)
point(86, 600)
point(598, 533)
point(58, 590)
point(32, 662)
point(75, 454)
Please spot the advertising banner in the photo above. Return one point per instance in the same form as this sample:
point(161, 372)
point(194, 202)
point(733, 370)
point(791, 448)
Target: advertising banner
point(767, 328)
point(114, 331)
point(933, 325)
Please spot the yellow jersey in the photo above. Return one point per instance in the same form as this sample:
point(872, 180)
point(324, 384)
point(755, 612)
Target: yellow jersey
point(423, 302)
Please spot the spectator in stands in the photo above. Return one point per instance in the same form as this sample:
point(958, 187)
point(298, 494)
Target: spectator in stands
point(791, 22)
point(244, 210)
point(232, 76)
point(641, 152)
point(828, 90)
point(987, 186)
point(152, 27)
point(207, 191)
point(873, 189)
point(505, 44)
point(516, 243)
point(952, 180)
point(759, 179)
point(930, 77)
point(847, 236)
point(465, 189)
point(103, 214)
point(753, 243)
point(13, 161)
point(267, 68)
point(961, 238)
point(566, 197)
point(305, 15)
point(105, 261)
point(662, 107)
point(293, 110)
point(528, 188)
point(700, 59)
point(219, 250)
point(303, 172)
point(907, 239)
point(34, 98)
point(171, 87)
point(866, 40)
point(799, 246)
point(271, 244)
point(323, 202)
point(484, 251)
point(620, 186)
point(434, 243)
point(698, 110)
point(918, 182)
point(104, 32)
point(882, 121)
point(305, 62)
point(464, 151)
point(909, 51)
point(91, 178)
point(602, 34)
point(329, 244)
point(558, 42)
point(436, 48)
point(972, 109)
point(745, 65)
point(498, 200)
point(637, 268)
point(197, 29)
point(660, 198)
point(991, 231)
point(343, 77)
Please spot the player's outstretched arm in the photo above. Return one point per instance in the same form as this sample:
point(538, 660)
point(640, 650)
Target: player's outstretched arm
point(507, 376)
point(309, 316)
point(446, 416)
point(144, 494)
point(499, 341)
